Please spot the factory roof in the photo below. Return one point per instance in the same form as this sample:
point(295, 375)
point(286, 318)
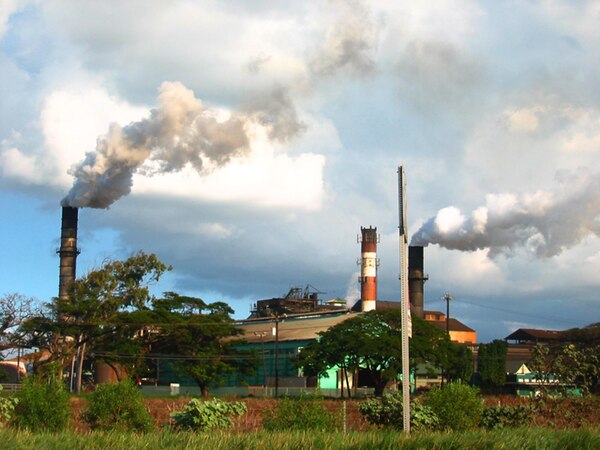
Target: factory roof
point(533, 335)
point(300, 328)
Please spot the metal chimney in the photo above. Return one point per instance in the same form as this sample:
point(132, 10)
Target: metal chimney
point(368, 278)
point(68, 250)
point(416, 280)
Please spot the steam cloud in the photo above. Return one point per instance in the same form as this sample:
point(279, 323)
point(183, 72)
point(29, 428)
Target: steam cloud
point(181, 131)
point(350, 43)
point(544, 222)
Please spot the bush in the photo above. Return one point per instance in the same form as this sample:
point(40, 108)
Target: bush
point(7, 408)
point(42, 406)
point(387, 413)
point(117, 406)
point(505, 416)
point(458, 406)
point(303, 413)
point(200, 416)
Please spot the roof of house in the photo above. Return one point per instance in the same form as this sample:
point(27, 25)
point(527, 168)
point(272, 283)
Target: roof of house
point(531, 334)
point(453, 325)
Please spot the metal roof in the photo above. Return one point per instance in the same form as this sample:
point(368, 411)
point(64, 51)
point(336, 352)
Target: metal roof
point(533, 335)
point(291, 329)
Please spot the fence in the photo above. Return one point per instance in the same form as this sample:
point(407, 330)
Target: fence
point(252, 391)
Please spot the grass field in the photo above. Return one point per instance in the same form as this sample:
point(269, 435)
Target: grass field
point(523, 438)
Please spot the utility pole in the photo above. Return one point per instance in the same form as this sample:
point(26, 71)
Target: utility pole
point(406, 325)
point(447, 297)
point(276, 333)
point(262, 334)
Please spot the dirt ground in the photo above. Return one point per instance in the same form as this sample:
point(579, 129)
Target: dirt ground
point(564, 413)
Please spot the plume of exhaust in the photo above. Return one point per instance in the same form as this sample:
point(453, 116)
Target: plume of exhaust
point(350, 42)
point(180, 131)
point(543, 222)
point(352, 291)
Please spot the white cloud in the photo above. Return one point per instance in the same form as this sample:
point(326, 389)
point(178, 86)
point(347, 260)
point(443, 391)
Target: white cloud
point(524, 120)
point(8, 7)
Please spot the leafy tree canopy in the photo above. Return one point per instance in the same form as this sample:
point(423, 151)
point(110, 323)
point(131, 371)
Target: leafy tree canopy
point(372, 341)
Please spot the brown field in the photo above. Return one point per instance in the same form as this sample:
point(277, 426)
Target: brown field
point(562, 414)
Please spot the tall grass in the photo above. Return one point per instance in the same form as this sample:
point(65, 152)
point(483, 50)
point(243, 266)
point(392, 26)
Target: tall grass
point(523, 438)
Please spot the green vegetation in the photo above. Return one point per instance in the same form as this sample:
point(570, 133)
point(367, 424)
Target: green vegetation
point(42, 406)
point(372, 342)
point(207, 415)
point(117, 406)
point(500, 417)
point(517, 439)
point(110, 312)
point(574, 361)
point(303, 413)
point(457, 406)
point(7, 408)
point(491, 363)
point(387, 413)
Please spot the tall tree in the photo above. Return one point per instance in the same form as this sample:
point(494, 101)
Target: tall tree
point(202, 338)
point(491, 363)
point(372, 341)
point(94, 301)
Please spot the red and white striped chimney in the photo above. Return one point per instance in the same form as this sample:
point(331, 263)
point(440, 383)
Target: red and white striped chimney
point(368, 275)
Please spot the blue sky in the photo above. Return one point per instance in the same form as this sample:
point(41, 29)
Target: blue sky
point(302, 114)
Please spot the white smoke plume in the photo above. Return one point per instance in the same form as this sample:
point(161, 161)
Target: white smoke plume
point(350, 42)
point(543, 222)
point(352, 291)
point(181, 131)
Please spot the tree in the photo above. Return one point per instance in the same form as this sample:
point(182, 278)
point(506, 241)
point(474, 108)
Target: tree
point(202, 337)
point(574, 361)
point(94, 302)
point(14, 310)
point(491, 363)
point(372, 341)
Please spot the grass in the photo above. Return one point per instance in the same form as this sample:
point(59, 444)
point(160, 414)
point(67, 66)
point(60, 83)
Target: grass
point(523, 438)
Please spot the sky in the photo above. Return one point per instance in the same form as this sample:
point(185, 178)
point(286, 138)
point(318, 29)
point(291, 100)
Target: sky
point(246, 144)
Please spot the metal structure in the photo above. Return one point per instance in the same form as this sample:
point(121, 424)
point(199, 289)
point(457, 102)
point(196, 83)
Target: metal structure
point(68, 250)
point(416, 280)
point(405, 317)
point(368, 268)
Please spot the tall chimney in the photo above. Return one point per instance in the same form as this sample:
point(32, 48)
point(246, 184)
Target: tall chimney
point(68, 250)
point(416, 280)
point(368, 278)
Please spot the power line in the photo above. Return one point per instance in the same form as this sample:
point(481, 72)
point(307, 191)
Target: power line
point(520, 313)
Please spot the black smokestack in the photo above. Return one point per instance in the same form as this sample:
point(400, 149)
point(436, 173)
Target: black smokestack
point(68, 250)
point(416, 280)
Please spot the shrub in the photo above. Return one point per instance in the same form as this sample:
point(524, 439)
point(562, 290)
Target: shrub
point(505, 416)
point(303, 413)
point(117, 406)
point(458, 406)
point(204, 415)
point(387, 413)
point(42, 406)
point(7, 408)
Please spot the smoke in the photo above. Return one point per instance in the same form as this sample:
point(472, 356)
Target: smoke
point(350, 42)
point(182, 131)
point(352, 291)
point(278, 113)
point(543, 222)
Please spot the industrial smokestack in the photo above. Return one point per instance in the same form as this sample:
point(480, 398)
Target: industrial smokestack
point(416, 280)
point(68, 250)
point(368, 278)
